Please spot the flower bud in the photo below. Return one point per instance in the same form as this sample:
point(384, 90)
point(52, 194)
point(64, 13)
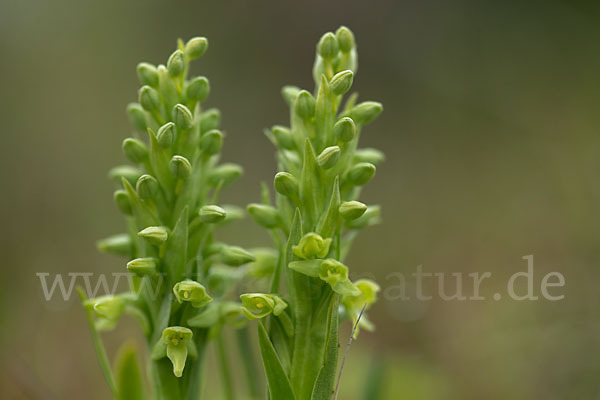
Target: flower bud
point(366, 112)
point(264, 215)
point(329, 157)
point(328, 46)
point(183, 117)
point(369, 155)
point(212, 214)
point(130, 173)
point(147, 74)
point(116, 244)
point(312, 245)
point(180, 167)
point(137, 116)
point(195, 47)
point(361, 173)
point(198, 89)
point(352, 209)
point(235, 256)
point(345, 39)
point(210, 119)
point(122, 200)
point(283, 137)
point(166, 135)
point(156, 235)
point(305, 105)
point(147, 187)
point(370, 217)
point(345, 129)
point(211, 142)
point(290, 93)
point(193, 292)
point(109, 307)
point(135, 150)
point(176, 63)
point(226, 173)
point(143, 266)
point(149, 98)
point(341, 82)
point(233, 213)
point(286, 184)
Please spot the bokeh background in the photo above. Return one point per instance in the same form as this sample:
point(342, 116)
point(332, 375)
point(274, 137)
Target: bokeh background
point(492, 134)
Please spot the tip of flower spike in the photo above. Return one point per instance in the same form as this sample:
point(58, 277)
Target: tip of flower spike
point(328, 46)
point(345, 39)
point(196, 47)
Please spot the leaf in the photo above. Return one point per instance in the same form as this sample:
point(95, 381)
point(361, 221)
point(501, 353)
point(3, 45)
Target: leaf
point(144, 216)
point(159, 159)
point(128, 374)
point(309, 184)
point(293, 239)
point(279, 384)
point(176, 249)
point(306, 267)
point(162, 320)
point(330, 223)
point(323, 389)
point(324, 112)
point(346, 288)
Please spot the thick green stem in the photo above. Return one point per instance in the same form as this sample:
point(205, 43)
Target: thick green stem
point(225, 370)
point(309, 335)
point(247, 357)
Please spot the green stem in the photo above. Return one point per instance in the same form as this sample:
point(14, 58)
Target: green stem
point(225, 370)
point(309, 335)
point(100, 351)
point(248, 360)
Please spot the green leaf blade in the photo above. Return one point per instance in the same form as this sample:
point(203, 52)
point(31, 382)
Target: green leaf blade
point(128, 374)
point(279, 384)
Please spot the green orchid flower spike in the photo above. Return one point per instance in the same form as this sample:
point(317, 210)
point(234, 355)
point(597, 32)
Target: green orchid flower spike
point(313, 220)
point(169, 197)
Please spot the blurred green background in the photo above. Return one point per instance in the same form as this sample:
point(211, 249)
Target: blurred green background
point(491, 131)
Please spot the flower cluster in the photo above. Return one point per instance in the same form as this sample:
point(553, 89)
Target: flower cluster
point(315, 217)
point(168, 194)
point(186, 284)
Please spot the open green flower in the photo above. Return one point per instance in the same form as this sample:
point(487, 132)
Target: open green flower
point(143, 266)
point(176, 344)
point(355, 303)
point(368, 295)
point(108, 309)
point(259, 305)
point(312, 245)
point(336, 275)
point(191, 291)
